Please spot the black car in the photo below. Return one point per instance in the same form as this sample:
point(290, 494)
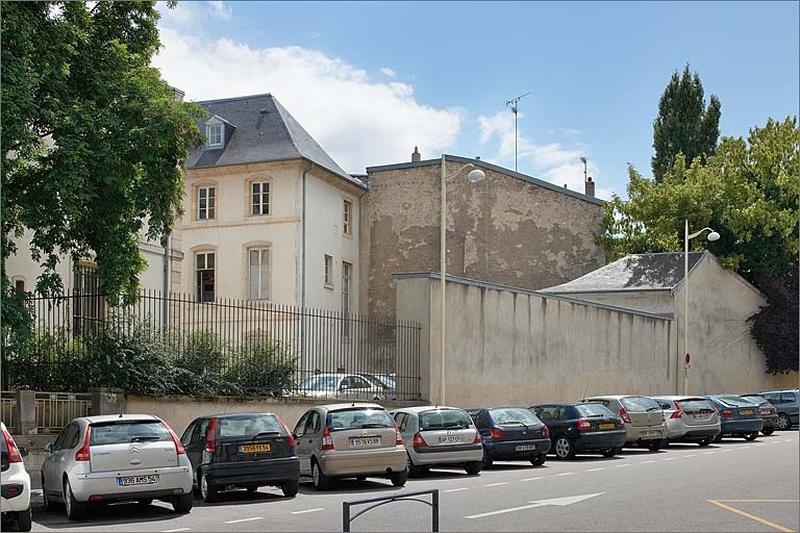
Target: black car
point(242, 450)
point(511, 434)
point(767, 412)
point(582, 428)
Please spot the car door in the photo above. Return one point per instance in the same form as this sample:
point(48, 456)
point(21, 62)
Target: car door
point(52, 462)
point(192, 444)
point(60, 456)
point(301, 444)
point(356, 387)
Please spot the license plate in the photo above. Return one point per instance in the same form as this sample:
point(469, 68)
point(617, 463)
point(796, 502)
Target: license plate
point(746, 412)
point(525, 447)
point(127, 481)
point(450, 439)
point(255, 448)
point(650, 434)
point(608, 425)
point(365, 442)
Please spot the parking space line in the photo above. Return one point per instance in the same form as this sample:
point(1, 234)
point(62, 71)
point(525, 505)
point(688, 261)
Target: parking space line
point(758, 519)
point(531, 478)
point(595, 469)
point(310, 510)
point(496, 484)
point(244, 520)
point(176, 530)
point(689, 455)
point(668, 459)
point(623, 465)
point(708, 453)
point(457, 490)
point(565, 474)
point(650, 461)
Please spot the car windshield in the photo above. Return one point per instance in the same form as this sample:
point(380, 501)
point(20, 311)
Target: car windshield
point(735, 401)
point(373, 380)
point(248, 425)
point(639, 403)
point(755, 398)
point(128, 431)
point(444, 419)
point(511, 416)
point(591, 410)
point(359, 418)
point(320, 383)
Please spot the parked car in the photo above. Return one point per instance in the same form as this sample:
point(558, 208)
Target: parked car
point(511, 434)
point(581, 428)
point(767, 412)
point(350, 440)
point(787, 402)
point(346, 386)
point(690, 419)
point(439, 437)
point(242, 450)
point(386, 386)
point(111, 458)
point(739, 417)
point(15, 501)
point(642, 417)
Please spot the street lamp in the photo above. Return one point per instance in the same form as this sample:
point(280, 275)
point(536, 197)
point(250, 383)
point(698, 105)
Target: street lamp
point(476, 175)
point(712, 236)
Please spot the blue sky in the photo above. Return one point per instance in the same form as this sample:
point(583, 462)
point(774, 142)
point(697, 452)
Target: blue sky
point(371, 80)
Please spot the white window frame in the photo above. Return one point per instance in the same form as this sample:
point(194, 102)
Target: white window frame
point(209, 212)
point(198, 276)
point(347, 218)
point(264, 286)
point(327, 274)
point(212, 131)
point(260, 201)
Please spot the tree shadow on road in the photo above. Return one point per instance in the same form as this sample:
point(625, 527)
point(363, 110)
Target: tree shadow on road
point(115, 514)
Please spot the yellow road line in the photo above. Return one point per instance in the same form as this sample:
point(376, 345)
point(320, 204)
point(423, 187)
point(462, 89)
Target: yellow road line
point(758, 501)
point(753, 517)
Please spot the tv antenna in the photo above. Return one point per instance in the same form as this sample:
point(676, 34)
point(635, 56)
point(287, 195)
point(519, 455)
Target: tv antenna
point(514, 105)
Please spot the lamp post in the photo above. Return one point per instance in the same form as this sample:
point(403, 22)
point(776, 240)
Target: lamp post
point(712, 236)
point(476, 175)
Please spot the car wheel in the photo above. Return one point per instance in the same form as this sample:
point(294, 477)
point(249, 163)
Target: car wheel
point(486, 461)
point(75, 509)
point(539, 460)
point(318, 477)
point(207, 491)
point(784, 422)
point(183, 503)
point(751, 436)
point(399, 478)
point(706, 441)
point(718, 438)
point(290, 488)
point(46, 505)
point(24, 520)
point(768, 431)
point(655, 445)
point(473, 468)
point(564, 448)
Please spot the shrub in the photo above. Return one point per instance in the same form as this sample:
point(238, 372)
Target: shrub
point(264, 368)
point(203, 353)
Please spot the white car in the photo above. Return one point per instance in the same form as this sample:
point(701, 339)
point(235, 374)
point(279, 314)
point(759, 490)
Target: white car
point(16, 485)
point(112, 458)
point(345, 386)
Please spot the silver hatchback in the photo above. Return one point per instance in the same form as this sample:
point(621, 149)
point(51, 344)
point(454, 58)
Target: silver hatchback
point(111, 458)
point(690, 419)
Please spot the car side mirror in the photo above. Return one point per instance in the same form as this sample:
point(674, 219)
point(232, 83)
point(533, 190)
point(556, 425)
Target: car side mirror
point(23, 451)
point(49, 447)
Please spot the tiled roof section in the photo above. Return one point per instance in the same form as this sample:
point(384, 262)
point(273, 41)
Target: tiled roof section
point(265, 131)
point(658, 271)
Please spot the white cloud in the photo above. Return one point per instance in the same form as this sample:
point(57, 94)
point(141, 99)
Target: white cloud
point(193, 14)
point(220, 9)
point(555, 162)
point(357, 120)
point(388, 72)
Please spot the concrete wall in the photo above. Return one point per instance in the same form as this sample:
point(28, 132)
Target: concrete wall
point(659, 301)
point(504, 230)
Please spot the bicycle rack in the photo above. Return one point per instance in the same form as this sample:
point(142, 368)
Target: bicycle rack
point(408, 497)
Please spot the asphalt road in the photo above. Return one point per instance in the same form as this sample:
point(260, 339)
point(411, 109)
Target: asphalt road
point(731, 486)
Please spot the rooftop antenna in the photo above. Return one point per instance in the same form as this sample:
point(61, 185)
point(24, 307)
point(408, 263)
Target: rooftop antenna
point(514, 105)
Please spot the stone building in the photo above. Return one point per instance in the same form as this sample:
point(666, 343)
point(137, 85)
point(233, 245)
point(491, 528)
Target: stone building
point(509, 229)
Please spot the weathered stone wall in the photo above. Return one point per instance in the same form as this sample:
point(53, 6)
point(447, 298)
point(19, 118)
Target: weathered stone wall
point(503, 230)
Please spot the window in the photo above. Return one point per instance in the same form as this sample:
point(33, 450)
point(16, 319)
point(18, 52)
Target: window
point(300, 428)
point(88, 304)
point(347, 272)
point(206, 202)
point(348, 211)
point(328, 271)
point(19, 286)
point(204, 274)
point(259, 198)
point(313, 423)
point(215, 135)
point(258, 273)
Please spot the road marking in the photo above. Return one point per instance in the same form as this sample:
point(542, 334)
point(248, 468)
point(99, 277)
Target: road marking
point(595, 469)
point(650, 461)
point(708, 453)
point(690, 455)
point(457, 490)
point(244, 520)
point(561, 502)
point(496, 484)
point(313, 510)
point(758, 519)
point(566, 474)
point(668, 459)
point(532, 478)
point(623, 465)
point(176, 530)
point(726, 450)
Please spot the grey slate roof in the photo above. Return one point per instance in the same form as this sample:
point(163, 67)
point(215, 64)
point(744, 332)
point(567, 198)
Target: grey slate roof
point(264, 131)
point(659, 271)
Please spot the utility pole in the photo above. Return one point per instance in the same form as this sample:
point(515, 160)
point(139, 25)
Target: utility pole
point(514, 105)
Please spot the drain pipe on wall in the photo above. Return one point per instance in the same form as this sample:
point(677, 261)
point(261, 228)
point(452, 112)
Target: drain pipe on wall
point(166, 243)
point(309, 167)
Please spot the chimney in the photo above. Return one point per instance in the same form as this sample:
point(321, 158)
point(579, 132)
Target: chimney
point(416, 156)
point(589, 186)
point(179, 95)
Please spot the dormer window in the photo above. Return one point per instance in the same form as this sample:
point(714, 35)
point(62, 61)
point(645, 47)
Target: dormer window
point(215, 133)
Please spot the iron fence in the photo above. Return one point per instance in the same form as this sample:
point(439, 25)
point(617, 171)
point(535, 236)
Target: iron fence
point(7, 404)
point(54, 410)
point(232, 346)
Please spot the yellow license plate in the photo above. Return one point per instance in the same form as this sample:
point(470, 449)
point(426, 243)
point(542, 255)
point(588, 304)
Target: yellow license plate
point(746, 412)
point(254, 448)
point(608, 426)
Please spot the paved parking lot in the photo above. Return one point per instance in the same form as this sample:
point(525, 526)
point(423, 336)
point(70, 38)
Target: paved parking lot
point(731, 486)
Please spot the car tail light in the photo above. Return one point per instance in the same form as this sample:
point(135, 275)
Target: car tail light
point(398, 438)
point(83, 452)
point(726, 413)
point(94, 498)
point(497, 434)
point(678, 411)
point(623, 414)
point(13, 452)
point(584, 425)
point(175, 440)
point(418, 441)
point(288, 431)
point(211, 436)
point(327, 440)
point(545, 432)
point(477, 439)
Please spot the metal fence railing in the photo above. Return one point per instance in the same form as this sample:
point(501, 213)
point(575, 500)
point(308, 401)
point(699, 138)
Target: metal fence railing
point(55, 410)
point(247, 347)
point(7, 404)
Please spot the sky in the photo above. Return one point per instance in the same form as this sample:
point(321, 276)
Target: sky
point(370, 81)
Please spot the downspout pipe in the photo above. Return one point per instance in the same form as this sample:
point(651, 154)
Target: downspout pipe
point(309, 167)
point(166, 244)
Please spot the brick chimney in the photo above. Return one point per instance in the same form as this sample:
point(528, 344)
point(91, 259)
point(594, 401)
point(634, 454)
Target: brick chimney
point(589, 186)
point(416, 156)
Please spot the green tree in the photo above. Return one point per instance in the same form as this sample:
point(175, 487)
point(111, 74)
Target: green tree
point(748, 191)
point(684, 125)
point(93, 141)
